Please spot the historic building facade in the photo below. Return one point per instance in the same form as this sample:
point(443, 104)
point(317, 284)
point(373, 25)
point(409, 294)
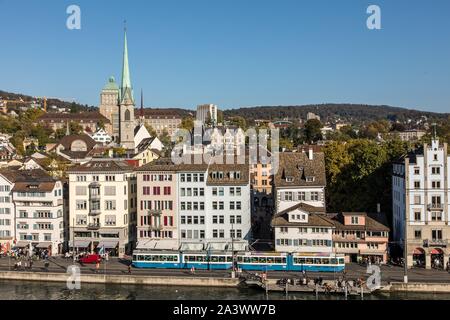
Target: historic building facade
point(103, 206)
point(420, 193)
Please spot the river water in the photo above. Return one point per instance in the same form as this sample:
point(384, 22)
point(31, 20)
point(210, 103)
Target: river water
point(22, 290)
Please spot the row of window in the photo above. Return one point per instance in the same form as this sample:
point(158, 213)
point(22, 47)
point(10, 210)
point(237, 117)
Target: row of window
point(189, 192)
point(156, 234)
point(434, 170)
point(436, 184)
point(305, 230)
point(108, 205)
point(35, 237)
point(234, 205)
point(156, 191)
point(300, 196)
point(156, 221)
point(157, 177)
point(5, 210)
point(304, 242)
point(157, 205)
point(4, 188)
point(192, 177)
point(233, 191)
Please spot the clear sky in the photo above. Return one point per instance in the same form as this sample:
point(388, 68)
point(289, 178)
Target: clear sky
point(232, 53)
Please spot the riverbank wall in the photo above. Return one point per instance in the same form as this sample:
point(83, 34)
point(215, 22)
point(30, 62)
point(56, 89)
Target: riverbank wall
point(125, 279)
point(419, 287)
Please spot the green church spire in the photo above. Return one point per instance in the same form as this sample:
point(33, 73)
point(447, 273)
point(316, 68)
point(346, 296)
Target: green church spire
point(126, 89)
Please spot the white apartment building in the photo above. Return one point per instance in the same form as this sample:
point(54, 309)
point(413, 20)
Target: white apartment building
point(304, 229)
point(420, 193)
point(300, 179)
point(207, 112)
point(102, 206)
point(35, 210)
point(228, 204)
point(214, 206)
point(6, 210)
point(191, 204)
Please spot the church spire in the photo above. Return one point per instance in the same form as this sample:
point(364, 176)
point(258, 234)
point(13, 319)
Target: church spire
point(126, 89)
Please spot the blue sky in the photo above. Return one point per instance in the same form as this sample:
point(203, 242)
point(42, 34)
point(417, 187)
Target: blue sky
point(232, 52)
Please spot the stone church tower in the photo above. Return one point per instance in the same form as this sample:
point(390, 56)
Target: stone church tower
point(126, 104)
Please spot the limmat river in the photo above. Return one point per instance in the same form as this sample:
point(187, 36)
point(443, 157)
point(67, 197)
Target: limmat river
point(23, 290)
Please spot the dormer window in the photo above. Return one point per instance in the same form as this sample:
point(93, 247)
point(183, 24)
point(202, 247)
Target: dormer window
point(289, 179)
point(355, 220)
point(310, 179)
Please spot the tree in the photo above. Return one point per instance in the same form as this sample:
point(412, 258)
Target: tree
point(75, 128)
point(187, 123)
point(312, 130)
point(150, 130)
point(165, 139)
point(239, 122)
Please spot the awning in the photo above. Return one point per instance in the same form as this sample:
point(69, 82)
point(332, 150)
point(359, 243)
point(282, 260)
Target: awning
point(217, 246)
point(21, 244)
point(238, 246)
point(418, 251)
point(43, 245)
point(436, 251)
point(80, 244)
point(168, 244)
point(108, 244)
point(191, 247)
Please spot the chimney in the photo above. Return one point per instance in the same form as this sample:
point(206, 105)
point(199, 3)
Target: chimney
point(311, 154)
point(378, 208)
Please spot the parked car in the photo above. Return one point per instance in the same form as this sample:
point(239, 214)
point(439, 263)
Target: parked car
point(90, 258)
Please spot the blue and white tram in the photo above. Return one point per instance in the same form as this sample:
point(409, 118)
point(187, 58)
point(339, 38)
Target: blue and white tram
point(157, 259)
point(207, 260)
point(262, 261)
point(316, 262)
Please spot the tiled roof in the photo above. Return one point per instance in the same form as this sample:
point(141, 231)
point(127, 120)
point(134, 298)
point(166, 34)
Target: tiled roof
point(102, 165)
point(29, 180)
point(67, 141)
point(316, 217)
point(297, 166)
point(373, 222)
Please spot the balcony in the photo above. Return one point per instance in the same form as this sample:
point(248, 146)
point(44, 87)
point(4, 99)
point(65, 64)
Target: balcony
point(94, 212)
point(93, 226)
point(436, 206)
point(434, 243)
point(155, 228)
point(154, 212)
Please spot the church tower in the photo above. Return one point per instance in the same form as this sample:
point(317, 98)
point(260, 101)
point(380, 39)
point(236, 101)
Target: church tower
point(126, 103)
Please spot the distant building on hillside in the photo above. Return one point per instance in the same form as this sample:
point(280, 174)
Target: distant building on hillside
point(87, 120)
point(312, 116)
point(207, 112)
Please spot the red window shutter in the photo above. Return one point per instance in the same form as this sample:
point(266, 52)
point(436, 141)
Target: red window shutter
point(165, 221)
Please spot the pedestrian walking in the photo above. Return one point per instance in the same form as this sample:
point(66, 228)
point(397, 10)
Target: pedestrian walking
point(97, 267)
point(129, 269)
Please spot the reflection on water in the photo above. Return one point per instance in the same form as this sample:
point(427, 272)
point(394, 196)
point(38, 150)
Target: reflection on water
point(21, 290)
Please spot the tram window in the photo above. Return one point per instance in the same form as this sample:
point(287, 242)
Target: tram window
point(262, 260)
point(309, 261)
point(230, 259)
point(284, 260)
point(317, 261)
point(221, 259)
point(269, 260)
point(325, 261)
point(278, 260)
point(214, 259)
point(341, 260)
point(199, 259)
point(247, 260)
point(239, 259)
point(134, 257)
point(255, 260)
point(333, 261)
point(141, 258)
point(163, 258)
